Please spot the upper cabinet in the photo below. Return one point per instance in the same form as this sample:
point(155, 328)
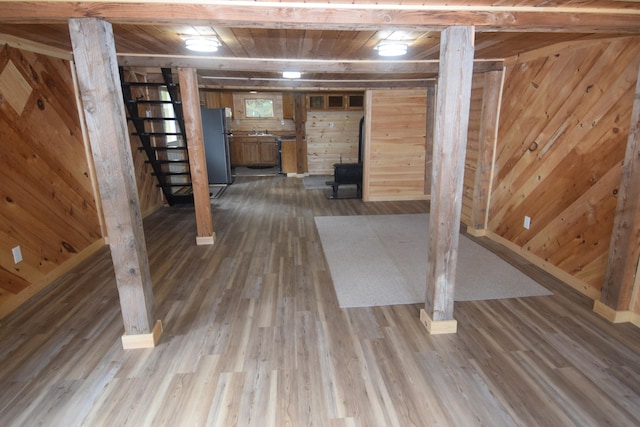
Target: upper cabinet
point(335, 101)
point(216, 99)
point(287, 106)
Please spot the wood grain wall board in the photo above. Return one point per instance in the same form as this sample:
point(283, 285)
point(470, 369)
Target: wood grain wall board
point(397, 144)
point(328, 144)
point(47, 204)
point(472, 155)
point(11, 282)
point(581, 104)
point(566, 182)
point(58, 144)
point(527, 119)
point(597, 128)
point(543, 118)
point(45, 187)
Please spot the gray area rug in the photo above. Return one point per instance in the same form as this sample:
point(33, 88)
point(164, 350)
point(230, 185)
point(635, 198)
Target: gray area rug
point(381, 260)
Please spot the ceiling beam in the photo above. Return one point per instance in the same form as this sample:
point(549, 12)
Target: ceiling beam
point(305, 85)
point(214, 63)
point(318, 15)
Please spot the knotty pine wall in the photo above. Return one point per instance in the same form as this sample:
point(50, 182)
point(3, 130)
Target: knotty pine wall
point(47, 204)
point(327, 144)
point(472, 153)
point(397, 145)
point(562, 135)
point(395, 136)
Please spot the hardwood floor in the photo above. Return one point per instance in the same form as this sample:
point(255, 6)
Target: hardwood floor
point(254, 337)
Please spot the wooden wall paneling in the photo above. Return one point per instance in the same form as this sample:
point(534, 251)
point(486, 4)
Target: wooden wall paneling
point(624, 249)
point(210, 99)
point(453, 99)
point(96, 65)
point(48, 206)
point(428, 152)
point(197, 160)
point(366, 155)
point(487, 139)
point(561, 142)
point(473, 147)
point(332, 137)
point(396, 150)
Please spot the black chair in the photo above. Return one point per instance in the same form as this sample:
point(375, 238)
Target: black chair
point(349, 173)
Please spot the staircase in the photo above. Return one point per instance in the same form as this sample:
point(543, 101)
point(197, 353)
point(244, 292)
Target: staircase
point(155, 110)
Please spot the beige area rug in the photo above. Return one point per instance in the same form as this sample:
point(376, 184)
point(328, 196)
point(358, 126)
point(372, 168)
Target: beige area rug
point(381, 260)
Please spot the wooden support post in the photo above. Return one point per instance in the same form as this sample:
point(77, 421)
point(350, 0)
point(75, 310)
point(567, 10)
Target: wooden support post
point(624, 252)
point(487, 140)
point(301, 145)
point(98, 80)
point(197, 160)
point(453, 99)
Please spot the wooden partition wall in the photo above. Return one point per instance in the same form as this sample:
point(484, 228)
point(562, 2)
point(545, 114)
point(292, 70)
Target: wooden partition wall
point(394, 163)
point(563, 132)
point(47, 204)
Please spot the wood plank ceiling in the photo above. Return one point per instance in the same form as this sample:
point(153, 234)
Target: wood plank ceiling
point(262, 39)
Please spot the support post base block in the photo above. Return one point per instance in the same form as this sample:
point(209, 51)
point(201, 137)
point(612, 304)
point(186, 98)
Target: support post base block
point(149, 340)
point(436, 327)
point(205, 240)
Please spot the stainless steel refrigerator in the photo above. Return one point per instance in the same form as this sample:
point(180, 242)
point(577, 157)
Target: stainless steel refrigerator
point(216, 144)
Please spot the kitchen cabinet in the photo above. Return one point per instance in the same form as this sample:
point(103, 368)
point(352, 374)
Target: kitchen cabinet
point(255, 151)
point(288, 106)
point(335, 101)
point(289, 156)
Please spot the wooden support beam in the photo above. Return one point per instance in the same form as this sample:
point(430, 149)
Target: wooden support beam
point(624, 252)
point(197, 160)
point(98, 80)
point(352, 16)
point(453, 99)
point(487, 140)
point(301, 144)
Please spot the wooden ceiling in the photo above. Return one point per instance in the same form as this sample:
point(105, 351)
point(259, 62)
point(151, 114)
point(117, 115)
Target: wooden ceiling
point(331, 43)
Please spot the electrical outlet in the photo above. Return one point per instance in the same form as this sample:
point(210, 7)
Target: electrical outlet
point(527, 222)
point(330, 124)
point(17, 254)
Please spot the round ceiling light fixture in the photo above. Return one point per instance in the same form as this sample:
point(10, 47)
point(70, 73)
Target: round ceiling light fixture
point(202, 43)
point(391, 48)
point(291, 74)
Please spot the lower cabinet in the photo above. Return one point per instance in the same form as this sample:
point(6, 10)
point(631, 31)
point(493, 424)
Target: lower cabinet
point(254, 151)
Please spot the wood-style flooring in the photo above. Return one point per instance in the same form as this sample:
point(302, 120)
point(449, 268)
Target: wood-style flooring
point(254, 337)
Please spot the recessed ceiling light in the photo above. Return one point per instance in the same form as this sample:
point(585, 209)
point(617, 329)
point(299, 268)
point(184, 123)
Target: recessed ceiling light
point(291, 74)
point(391, 48)
point(202, 43)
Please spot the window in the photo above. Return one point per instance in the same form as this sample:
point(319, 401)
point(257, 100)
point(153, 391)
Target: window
point(258, 107)
point(170, 126)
